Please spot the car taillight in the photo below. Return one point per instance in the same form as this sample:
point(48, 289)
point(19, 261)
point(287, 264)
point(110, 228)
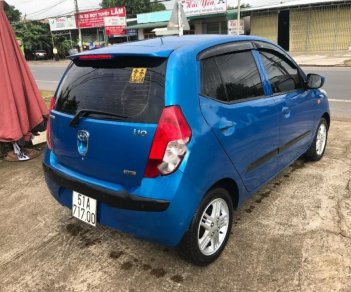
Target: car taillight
point(169, 145)
point(48, 126)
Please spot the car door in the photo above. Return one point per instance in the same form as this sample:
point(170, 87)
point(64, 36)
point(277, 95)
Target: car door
point(245, 122)
point(295, 105)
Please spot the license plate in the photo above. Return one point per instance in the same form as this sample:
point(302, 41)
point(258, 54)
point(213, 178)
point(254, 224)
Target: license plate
point(84, 208)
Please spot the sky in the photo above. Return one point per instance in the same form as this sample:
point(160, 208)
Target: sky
point(39, 9)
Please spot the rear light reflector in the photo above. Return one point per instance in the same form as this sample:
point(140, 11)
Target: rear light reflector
point(95, 57)
point(48, 124)
point(169, 145)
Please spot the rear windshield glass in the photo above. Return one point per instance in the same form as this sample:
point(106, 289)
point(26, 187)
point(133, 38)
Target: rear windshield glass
point(126, 86)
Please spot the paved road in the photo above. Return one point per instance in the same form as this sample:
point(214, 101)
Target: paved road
point(337, 81)
point(337, 85)
point(48, 74)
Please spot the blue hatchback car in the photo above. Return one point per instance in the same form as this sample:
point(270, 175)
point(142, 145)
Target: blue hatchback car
point(164, 138)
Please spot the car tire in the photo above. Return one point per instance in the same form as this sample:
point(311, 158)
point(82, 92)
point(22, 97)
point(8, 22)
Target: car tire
point(201, 245)
point(317, 149)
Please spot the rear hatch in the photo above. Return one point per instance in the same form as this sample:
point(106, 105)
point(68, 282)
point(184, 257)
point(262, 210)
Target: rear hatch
point(119, 101)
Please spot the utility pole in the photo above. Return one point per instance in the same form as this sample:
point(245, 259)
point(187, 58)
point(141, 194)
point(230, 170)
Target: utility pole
point(79, 31)
point(238, 21)
point(180, 20)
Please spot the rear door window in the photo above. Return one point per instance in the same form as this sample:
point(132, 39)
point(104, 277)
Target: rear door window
point(126, 86)
point(211, 83)
point(240, 75)
point(231, 77)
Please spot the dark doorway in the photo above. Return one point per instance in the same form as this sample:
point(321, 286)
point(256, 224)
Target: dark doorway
point(283, 29)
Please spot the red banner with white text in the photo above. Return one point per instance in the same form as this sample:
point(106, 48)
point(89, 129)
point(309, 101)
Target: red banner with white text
point(114, 19)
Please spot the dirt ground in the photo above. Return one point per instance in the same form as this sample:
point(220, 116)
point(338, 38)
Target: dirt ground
point(293, 235)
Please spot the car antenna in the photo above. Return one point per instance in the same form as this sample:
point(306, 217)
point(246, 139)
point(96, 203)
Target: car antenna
point(161, 38)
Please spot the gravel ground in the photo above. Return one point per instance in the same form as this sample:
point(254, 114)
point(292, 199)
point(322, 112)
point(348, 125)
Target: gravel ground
point(293, 235)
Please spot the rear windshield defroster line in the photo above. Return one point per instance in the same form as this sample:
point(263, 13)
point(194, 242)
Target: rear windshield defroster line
point(132, 87)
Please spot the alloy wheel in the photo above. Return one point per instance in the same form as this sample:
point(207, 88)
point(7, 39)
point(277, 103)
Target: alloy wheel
point(213, 226)
point(321, 139)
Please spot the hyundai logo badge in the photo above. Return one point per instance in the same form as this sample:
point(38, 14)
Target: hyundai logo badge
point(82, 142)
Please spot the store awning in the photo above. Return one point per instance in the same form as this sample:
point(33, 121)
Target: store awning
point(148, 25)
point(205, 16)
point(164, 31)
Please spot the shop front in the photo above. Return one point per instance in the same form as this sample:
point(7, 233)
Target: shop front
point(204, 17)
point(98, 28)
point(304, 27)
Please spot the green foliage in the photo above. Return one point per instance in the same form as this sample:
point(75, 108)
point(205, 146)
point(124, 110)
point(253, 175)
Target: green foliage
point(134, 7)
point(12, 13)
point(62, 45)
point(243, 5)
point(157, 7)
point(34, 34)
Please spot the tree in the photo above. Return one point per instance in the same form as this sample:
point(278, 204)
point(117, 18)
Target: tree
point(134, 7)
point(35, 35)
point(12, 13)
point(155, 6)
point(243, 5)
point(63, 45)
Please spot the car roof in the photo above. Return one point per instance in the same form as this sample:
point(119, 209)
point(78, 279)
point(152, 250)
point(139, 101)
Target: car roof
point(164, 46)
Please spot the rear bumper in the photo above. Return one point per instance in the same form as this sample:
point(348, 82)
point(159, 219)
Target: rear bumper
point(117, 199)
point(160, 209)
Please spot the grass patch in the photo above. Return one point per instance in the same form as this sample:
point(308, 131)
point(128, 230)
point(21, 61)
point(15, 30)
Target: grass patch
point(47, 95)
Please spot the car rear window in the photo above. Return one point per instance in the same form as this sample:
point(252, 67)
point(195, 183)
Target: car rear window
point(126, 86)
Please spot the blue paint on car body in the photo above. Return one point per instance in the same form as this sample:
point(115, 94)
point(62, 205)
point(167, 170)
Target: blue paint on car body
point(246, 141)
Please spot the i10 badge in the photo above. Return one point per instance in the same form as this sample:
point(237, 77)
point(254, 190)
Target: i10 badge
point(84, 208)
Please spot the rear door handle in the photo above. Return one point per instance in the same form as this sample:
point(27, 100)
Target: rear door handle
point(227, 127)
point(286, 112)
point(224, 125)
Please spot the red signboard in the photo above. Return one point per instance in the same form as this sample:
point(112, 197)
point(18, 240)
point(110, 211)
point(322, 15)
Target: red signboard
point(96, 18)
point(115, 30)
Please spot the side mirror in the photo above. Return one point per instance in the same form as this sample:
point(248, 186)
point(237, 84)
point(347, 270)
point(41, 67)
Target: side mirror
point(314, 81)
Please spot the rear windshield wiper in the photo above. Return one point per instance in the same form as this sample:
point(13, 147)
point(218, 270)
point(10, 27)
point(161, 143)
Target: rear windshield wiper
point(86, 112)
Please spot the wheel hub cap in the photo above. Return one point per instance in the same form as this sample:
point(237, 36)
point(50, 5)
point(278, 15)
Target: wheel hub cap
point(213, 226)
point(321, 139)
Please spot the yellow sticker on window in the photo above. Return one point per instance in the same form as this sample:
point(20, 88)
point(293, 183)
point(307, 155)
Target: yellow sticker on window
point(138, 75)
